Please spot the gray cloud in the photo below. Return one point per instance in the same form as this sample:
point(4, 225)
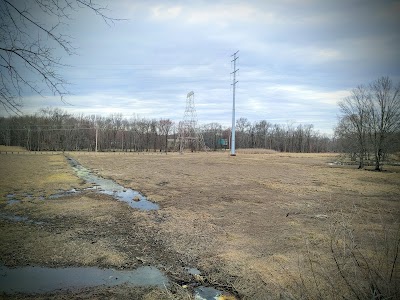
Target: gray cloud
point(297, 58)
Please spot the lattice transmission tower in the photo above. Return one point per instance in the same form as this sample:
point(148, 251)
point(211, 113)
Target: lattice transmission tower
point(189, 134)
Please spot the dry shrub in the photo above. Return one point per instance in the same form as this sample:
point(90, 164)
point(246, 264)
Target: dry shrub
point(367, 272)
point(352, 268)
point(172, 292)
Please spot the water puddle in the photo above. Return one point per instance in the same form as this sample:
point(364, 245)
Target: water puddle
point(335, 163)
point(64, 194)
point(193, 271)
point(42, 280)
point(206, 293)
point(11, 199)
point(15, 199)
point(14, 218)
point(110, 187)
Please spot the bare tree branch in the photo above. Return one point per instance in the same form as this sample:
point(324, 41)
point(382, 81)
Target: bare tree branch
point(28, 47)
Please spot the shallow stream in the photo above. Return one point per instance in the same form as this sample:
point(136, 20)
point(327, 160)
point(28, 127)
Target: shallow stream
point(110, 187)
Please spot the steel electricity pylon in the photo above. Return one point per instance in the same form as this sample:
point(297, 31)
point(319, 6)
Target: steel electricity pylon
point(189, 134)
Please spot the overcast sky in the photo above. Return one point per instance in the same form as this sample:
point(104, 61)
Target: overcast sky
point(297, 58)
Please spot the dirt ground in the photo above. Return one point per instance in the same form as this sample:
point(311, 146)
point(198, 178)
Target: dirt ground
point(257, 226)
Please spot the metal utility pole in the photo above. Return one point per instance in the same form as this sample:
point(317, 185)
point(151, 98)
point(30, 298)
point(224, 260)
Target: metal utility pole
point(97, 129)
point(233, 109)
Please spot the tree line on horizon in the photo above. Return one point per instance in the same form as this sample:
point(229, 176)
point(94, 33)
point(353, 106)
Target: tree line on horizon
point(368, 130)
point(52, 129)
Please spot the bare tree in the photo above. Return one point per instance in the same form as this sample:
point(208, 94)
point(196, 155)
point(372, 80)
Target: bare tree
point(28, 46)
point(307, 147)
point(384, 112)
point(165, 127)
point(346, 137)
point(212, 133)
point(355, 111)
point(261, 132)
point(243, 127)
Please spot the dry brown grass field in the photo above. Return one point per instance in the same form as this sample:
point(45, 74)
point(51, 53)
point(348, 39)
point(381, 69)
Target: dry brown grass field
point(12, 149)
point(258, 225)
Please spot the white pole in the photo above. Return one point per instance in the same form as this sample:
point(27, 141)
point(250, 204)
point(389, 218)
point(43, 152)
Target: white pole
point(233, 106)
point(95, 120)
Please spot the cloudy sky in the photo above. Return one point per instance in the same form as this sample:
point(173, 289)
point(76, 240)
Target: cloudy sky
point(297, 58)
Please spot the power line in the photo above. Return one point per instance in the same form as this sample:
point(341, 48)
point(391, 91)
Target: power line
point(48, 129)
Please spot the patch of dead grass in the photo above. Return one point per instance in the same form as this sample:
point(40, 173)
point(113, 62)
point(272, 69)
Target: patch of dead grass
point(4, 148)
point(58, 240)
point(255, 151)
point(35, 245)
point(35, 174)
